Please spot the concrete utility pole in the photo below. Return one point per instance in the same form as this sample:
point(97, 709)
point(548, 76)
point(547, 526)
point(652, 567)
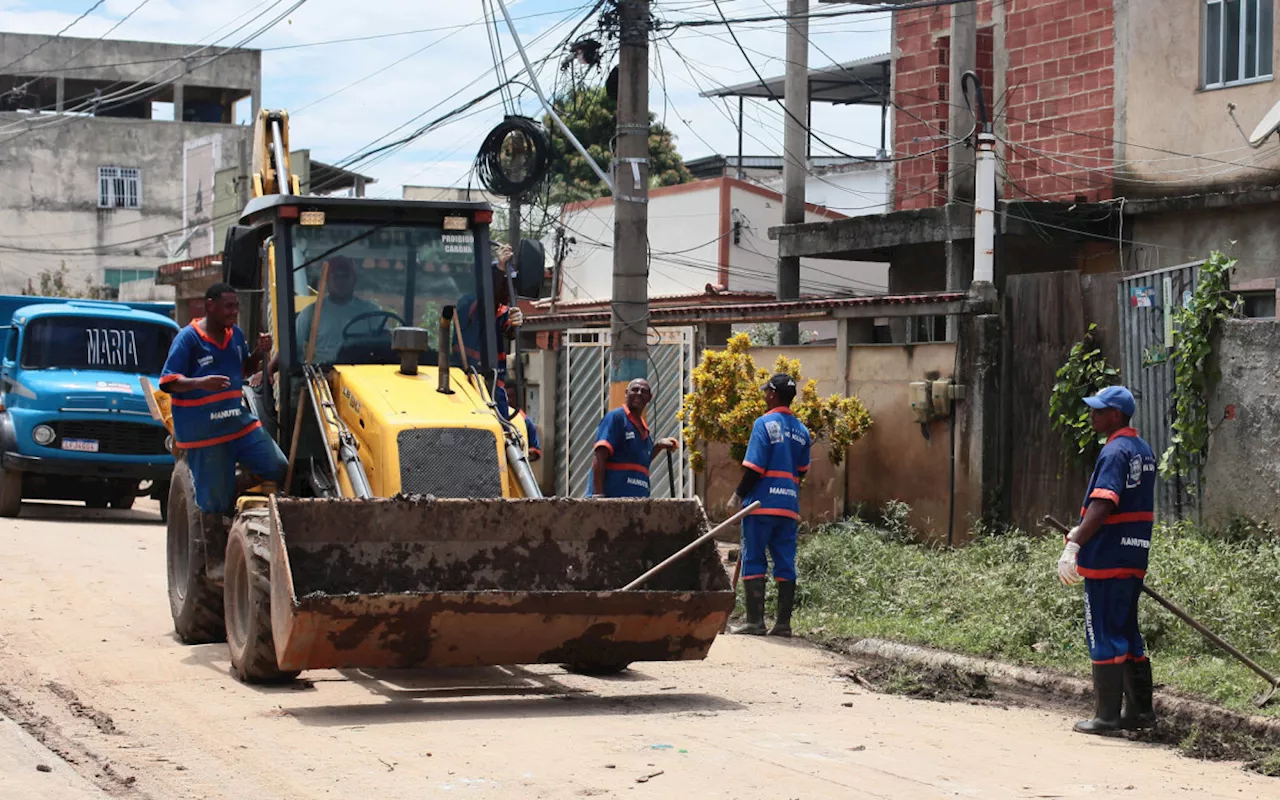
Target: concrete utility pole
point(960, 184)
point(794, 155)
point(629, 352)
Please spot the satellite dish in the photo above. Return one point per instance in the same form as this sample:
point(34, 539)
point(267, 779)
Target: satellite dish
point(1265, 128)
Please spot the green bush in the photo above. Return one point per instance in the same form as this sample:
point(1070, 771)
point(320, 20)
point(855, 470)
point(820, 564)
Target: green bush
point(1000, 597)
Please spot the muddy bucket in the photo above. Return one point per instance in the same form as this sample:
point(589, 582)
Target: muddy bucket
point(411, 583)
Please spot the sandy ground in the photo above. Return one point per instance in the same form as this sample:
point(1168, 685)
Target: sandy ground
point(89, 665)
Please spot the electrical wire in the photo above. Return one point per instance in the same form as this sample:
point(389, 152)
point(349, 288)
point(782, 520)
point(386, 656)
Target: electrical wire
point(42, 45)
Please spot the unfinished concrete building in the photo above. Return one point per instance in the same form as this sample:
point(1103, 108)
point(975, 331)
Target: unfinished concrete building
point(108, 152)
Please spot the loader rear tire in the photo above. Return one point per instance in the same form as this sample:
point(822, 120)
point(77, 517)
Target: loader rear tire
point(248, 602)
point(195, 601)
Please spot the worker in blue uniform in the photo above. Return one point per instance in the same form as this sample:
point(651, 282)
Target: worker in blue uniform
point(776, 462)
point(509, 318)
point(530, 433)
point(624, 449)
point(1108, 550)
point(203, 375)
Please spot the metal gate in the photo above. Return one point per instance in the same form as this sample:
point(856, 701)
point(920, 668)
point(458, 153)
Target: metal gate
point(1147, 302)
point(583, 385)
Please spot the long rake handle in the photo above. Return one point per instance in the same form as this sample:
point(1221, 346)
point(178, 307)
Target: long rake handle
point(690, 547)
point(1187, 618)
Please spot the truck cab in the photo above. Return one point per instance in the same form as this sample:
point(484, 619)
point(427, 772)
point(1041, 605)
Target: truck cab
point(74, 420)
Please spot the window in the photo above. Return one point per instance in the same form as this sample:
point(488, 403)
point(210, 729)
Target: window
point(113, 276)
point(115, 345)
point(1237, 41)
point(119, 187)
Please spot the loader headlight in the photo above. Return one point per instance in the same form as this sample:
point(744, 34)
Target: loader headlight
point(44, 435)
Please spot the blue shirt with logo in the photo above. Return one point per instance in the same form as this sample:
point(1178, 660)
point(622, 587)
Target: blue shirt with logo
point(1125, 474)
point(626, 473)
point(779, 451)
point(202, 418)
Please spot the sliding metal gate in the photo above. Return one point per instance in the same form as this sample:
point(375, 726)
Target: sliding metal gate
point(583, 388)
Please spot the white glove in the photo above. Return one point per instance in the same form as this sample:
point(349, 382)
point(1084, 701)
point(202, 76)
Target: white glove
point(515, 317)
point(734, 505)
point(1067, 571)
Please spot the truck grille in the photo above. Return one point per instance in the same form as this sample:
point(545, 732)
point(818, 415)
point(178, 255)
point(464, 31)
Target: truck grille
point(115, 438)
point(449, 462)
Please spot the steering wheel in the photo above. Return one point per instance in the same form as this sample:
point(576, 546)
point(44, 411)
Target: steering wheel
point(382, 329)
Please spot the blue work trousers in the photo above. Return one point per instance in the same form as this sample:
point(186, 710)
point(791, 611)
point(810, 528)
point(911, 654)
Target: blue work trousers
point(214, 468)
point(763, 533)
point(1111, 620)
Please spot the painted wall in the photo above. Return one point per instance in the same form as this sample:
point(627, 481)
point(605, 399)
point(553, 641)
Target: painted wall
point(50, 195)
point(1250, 233)
point(894, 461)
point(692, 244)
point(1158, 64)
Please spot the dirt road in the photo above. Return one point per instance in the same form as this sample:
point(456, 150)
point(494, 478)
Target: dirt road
point(88, 663)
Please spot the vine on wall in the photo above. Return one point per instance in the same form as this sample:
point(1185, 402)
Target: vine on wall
point(1194, 328)
point(1085, 372)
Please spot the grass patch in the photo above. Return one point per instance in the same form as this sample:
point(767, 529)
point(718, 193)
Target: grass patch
point(999, 597)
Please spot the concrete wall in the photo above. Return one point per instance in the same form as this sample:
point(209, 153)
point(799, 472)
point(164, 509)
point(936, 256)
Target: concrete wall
point(1242, 473)
point(894, 461)
point(49, 194)
point(1248, 232)
point(1159, 67)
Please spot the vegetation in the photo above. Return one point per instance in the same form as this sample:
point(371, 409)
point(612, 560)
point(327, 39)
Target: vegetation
point(57, 283)
point(1194, 327)
point(590, 114)
point(1084, 373)
point(726, 400)
point(1000, 597)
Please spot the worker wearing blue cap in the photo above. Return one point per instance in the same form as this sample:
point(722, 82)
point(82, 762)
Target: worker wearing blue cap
point(1108, 550)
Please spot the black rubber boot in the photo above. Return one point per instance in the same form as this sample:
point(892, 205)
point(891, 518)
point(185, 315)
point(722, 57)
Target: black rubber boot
point(1139, 707)
point(1108, 692)
point(754, 626)
point(786, 600)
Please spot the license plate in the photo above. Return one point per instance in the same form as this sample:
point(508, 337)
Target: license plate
point(80, 445)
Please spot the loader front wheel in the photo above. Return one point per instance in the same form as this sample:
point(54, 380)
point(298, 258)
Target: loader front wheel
point(248, 603)
point(195, 601)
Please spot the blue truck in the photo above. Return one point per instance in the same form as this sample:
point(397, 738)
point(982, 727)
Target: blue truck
point(74, 422)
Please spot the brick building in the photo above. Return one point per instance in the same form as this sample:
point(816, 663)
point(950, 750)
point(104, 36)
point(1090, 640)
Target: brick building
point(1121, 128)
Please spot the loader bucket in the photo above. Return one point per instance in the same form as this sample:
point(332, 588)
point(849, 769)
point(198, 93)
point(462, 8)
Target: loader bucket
point(422, 582)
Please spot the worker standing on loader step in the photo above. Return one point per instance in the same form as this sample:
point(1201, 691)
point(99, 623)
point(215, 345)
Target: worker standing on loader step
point(509, 319)
point(1109, 550)
point(624, 449)
point(206, 367)
point(530, 433)
point(777, 459)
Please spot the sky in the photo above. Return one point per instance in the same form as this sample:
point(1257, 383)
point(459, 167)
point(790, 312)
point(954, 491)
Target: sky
point(343, 96)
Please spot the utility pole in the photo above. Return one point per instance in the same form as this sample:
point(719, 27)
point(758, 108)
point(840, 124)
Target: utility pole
point(629, 325)
point(960, 184)
point(794, 148)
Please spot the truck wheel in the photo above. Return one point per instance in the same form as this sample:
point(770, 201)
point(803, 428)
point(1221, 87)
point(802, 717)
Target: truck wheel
point(194, 601)
point(124, 502)
point(96, 501)
point(10, 492)
point(248, 603)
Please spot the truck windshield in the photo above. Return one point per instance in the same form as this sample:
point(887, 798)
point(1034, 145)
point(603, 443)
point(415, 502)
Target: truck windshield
point(394, 275)
point(114, 345)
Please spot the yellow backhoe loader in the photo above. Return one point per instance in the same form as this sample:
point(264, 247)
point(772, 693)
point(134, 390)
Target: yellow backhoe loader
point(411, 531)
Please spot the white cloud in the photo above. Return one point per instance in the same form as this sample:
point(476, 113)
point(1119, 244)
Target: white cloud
point(356, 116)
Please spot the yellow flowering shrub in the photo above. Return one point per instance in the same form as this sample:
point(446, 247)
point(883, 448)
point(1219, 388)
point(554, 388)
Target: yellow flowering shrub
point(726, 400)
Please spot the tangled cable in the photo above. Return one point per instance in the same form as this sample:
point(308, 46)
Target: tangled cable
point(514, 157)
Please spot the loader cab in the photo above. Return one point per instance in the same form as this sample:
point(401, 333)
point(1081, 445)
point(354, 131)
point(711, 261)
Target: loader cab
point(391, 263)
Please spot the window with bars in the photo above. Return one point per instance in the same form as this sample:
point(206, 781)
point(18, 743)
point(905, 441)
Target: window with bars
point(1237, 41)
point(119, 187)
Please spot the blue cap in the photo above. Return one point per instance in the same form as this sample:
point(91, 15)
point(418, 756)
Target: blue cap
point(1116, 397)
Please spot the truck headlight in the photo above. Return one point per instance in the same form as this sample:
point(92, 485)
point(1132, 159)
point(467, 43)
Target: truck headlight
point(44, 435)
point(168, 443)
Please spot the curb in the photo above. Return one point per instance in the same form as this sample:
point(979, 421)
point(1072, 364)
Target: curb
point(1173, 710)
point(21, 776)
